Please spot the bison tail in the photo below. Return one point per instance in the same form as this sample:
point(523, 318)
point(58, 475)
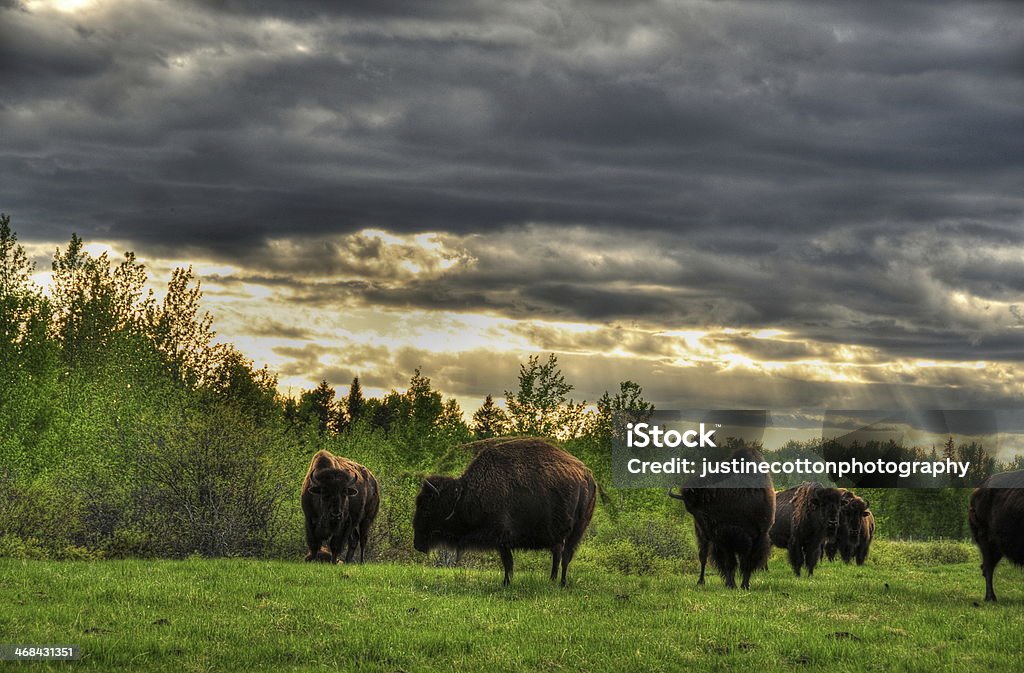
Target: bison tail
point(762, 549)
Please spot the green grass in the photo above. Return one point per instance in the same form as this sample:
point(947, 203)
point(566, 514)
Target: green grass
point(214, 615)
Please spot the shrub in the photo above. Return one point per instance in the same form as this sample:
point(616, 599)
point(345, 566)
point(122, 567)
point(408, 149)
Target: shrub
point(208, 484)
point(638, 543)
point(896, 553)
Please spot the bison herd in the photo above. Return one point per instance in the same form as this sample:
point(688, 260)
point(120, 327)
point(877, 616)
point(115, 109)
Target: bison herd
point(525, 493)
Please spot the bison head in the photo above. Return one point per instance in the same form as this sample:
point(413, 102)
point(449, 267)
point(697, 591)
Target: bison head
point(435, 507)
point(850, 514)
point(333, 488)
point(829, 501)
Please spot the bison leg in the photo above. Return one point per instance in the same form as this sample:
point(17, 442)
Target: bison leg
point(312, 542)
point(990, 558)
point(506, 563)
point(343, 539)
point(702, 553)
point(746, 569)
point(862, 551)
point(556, 558)
point(337, 545)
point(811, 556)
point(353, 545)
point(567, 555)
point(755, 559)
point(364, 534)
point(796, 556)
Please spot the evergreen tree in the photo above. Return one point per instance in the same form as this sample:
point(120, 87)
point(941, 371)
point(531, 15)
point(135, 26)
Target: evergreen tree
point(316, 408)
point(451, 427)
point(354, 402)
point(949, 449)
point(489, 420)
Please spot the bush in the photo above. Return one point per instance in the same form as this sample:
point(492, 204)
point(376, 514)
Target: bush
point(639, 543)
point(208, 484)
point(897, 553)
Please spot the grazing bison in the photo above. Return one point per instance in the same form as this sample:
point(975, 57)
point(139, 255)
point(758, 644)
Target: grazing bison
point(517, 493)
point(813, 519)
point(850, 534)
point(997, 523)
point(731, 523)
point(340, 499)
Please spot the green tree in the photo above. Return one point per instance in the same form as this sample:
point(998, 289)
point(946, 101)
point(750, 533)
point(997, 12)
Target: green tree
point(982, 464)
point(28, 359)
point(425, 403)
point(451, 427)
point(355, 404)
point(316, 408)
point(949, 449)
point(181, 332)
point(234, 380)
point(94, 302)
point(489, 420)
point(626, 406)
point(541, 405)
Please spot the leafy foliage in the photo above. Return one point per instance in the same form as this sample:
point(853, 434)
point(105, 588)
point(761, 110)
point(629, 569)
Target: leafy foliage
point(126, 430)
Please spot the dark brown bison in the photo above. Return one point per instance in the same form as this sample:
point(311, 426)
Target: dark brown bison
point(847, 540)
point(731, 524)
point(517, 493)
point(867, 534)
point(340, 499)
point(997, 523)
point(780, 530)
point(809, 518)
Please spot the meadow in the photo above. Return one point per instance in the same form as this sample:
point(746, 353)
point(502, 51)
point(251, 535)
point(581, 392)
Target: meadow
point(903, 611)
point(149, 513)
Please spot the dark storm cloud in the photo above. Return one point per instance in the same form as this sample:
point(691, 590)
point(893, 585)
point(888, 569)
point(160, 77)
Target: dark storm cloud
point(835, 169)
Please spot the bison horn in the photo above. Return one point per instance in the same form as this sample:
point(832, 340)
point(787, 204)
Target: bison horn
point(433, 488)
point(677, 496)
point(313, 481)
point(458, 498)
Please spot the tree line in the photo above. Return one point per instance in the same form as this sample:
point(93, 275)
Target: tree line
point(127, 429)
point(125, 426)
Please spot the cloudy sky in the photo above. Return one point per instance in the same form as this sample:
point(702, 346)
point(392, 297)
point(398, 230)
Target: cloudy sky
point(736, 204)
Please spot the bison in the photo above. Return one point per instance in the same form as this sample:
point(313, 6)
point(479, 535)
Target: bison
point(996, 516)
point(807, 520)
point(340, 499)
point(852, 528)
point(731, 524)
point(780, 530)
point(520, 493)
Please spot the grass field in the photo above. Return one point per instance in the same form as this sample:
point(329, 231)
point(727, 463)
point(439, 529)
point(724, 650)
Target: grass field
point(214, 615)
